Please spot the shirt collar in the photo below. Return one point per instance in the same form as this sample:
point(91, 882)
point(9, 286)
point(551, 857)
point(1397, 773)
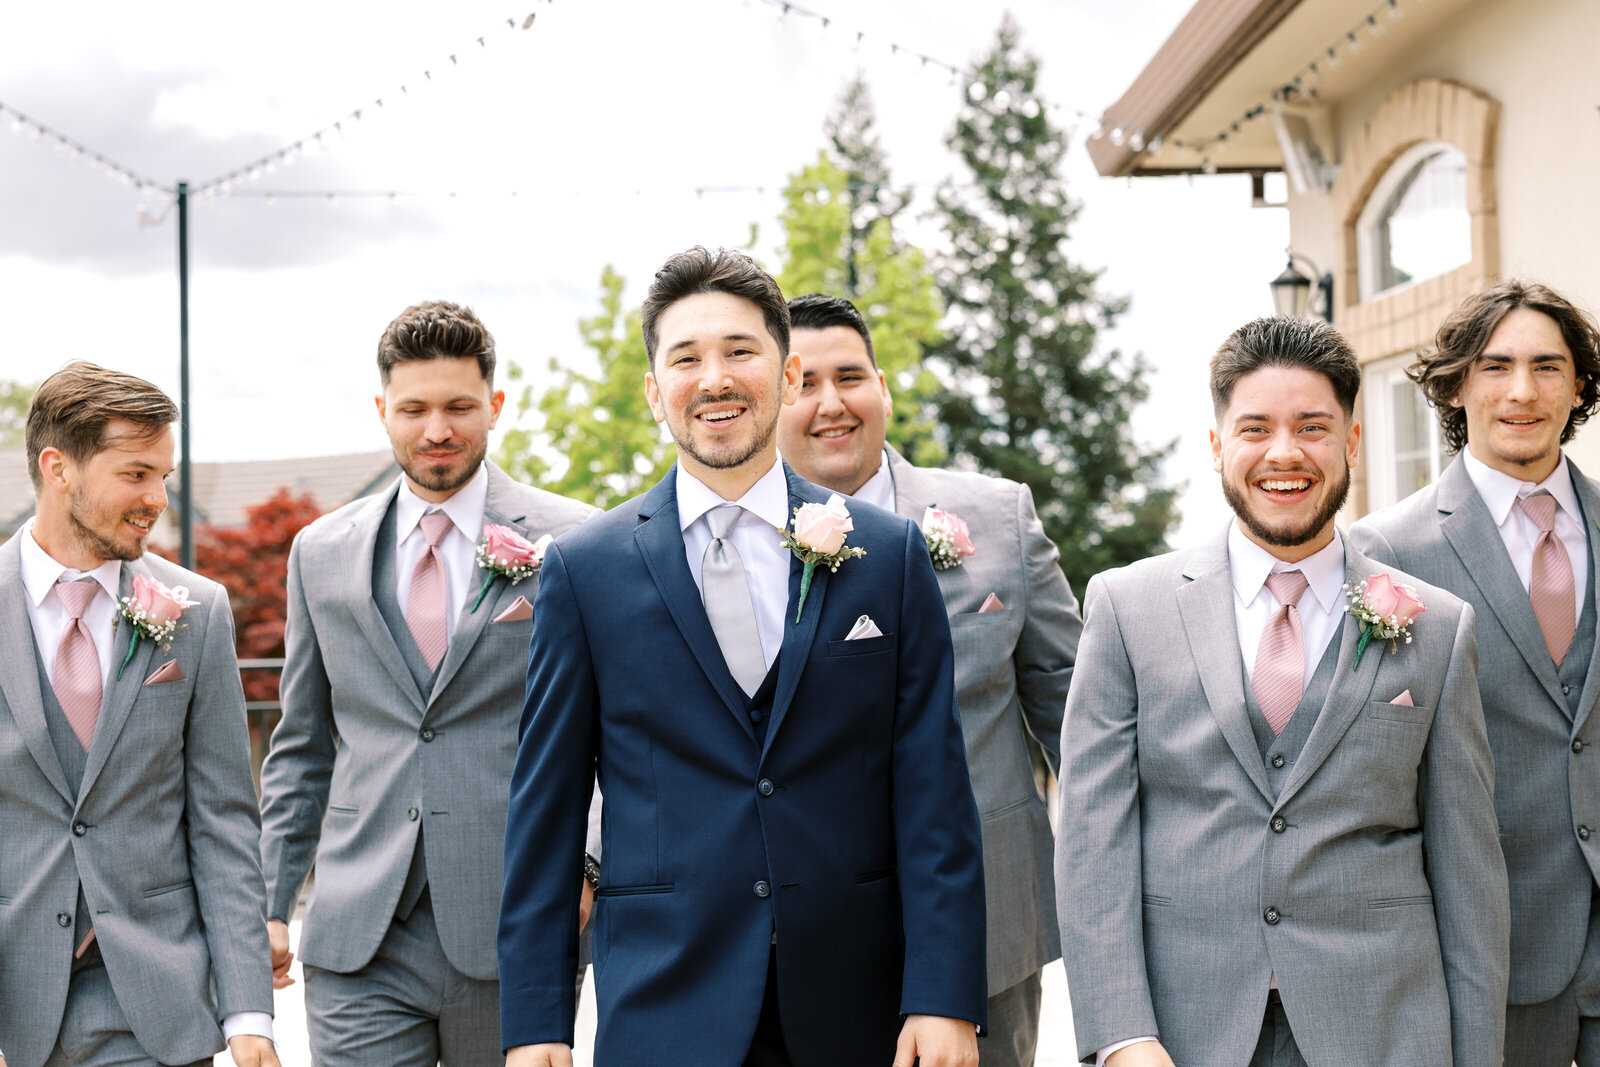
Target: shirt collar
point(465, 507)
point(878, 489)
point(1500, 490)
point(1250, 564)
point(768, 499)
point(41, 571)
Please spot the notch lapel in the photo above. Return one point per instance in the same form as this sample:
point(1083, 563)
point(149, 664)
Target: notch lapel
point(19, 681)
point(1205, 604)
point(361, 542)
point(1350, 690)
point(797, 637)
point(1590, 500)
point(499, 509)
point(122, 693)
point(1472, 533)
point(910, 496)
point(660, 542)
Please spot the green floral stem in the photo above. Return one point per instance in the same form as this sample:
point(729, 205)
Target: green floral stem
point(1361, 645)
point(133, 644)
point(487, 582)
point(805, 587)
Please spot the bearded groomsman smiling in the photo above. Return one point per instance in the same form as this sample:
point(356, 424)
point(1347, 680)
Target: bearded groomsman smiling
point(131, 923)
point(1278, 841)
point(1507, 527)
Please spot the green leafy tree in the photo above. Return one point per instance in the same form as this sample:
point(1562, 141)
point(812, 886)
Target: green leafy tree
point(1029, 395)
point(856, 148)
point(605, 444)
point(14, 400)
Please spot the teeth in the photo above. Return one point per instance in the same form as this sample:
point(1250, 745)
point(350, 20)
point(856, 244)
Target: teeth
point(1299, 483)
point(719, 416)
point(835, 433)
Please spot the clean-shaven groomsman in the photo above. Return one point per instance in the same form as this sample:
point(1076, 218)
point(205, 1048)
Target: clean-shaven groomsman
point(793, 865)
point(1278, 845)
point(1013, 619)
point(402, 682)
point(132, 930)
point(1510, 528)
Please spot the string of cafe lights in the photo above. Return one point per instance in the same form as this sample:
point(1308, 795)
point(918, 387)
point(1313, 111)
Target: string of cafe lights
point(25, 125)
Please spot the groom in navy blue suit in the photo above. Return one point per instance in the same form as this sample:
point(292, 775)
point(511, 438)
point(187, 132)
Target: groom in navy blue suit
point(791, 870)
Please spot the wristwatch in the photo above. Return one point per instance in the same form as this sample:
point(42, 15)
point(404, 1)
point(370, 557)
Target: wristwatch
point(591, 871)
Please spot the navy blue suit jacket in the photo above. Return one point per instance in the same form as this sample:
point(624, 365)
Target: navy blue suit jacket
point(866, 846)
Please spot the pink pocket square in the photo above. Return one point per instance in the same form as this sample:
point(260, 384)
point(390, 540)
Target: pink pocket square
point(167, 672)
point(991, 603)
point(519, 609)
point(1404, 699)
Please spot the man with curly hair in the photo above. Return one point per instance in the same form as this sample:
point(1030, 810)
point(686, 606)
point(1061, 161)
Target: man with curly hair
point(1513, 374)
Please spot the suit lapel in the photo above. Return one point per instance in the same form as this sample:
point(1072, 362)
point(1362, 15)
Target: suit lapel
point(1205, 603)
point(660, 542)
point(499, 509)
point(1350, 690)
point(361, 542)
point(797, 636)
point(911, 496)
point(1472, 533)
point(121, 692)
point(1590, 499)
point(19, 681)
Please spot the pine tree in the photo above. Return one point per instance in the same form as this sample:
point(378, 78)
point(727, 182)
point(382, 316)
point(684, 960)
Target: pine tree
point(1029, 395)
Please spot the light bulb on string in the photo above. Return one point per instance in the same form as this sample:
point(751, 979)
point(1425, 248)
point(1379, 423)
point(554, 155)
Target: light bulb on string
point(1117, 135)
point(1373, 28)
point(1333, 59)
point(1355, 45)
point(1395, 11)
point(1136, 142)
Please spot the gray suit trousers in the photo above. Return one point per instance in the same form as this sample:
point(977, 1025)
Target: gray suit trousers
point(1566, 1028)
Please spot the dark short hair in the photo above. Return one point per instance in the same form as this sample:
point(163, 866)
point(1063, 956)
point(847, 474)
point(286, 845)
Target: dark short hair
point(73, 407)
point(1280, 341)
point(816, 311)
point(1442, 370)
point(436, 329)
point(723, 271)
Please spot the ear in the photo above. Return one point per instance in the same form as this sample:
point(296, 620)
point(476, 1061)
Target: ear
point(1352, 445)
point(1216, 451)
point(58, 470)
point(792, 376)
point(496, 402)
point(652, 396)
point(888, 399)
point(383, 409)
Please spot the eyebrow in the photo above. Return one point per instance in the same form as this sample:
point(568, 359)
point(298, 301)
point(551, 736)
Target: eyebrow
point(690, 342)
point(1299, 416)
point(1541, 357)
point(457, 399)
point(848, 368)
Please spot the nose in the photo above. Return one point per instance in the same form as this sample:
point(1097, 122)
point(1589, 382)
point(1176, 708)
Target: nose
point(1284, 448)
point(714, 376)
point(828, 402)
point(439, 427)
point(1522, 387)
point(156, 495)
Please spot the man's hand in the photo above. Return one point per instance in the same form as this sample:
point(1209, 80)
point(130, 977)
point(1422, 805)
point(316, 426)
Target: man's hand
point(278, 938)
point(939, 1042)
point(585, 907)
point(551, 1055)
point(248, 1050)
point(1142, 1054)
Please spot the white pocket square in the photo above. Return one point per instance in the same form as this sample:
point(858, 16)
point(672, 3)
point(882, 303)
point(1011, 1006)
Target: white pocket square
point(519, 609)
point(167, 672)
point(863, 628)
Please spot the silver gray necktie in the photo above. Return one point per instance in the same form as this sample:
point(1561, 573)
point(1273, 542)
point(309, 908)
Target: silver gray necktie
point(728, 603)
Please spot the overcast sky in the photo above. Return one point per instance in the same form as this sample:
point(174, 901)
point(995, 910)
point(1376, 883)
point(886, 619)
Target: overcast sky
point(604, 119)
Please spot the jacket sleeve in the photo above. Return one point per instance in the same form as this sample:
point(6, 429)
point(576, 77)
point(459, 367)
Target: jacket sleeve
point(1051, 628)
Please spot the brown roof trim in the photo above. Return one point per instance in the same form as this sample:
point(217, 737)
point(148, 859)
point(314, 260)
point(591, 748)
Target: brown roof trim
point(1210, 41)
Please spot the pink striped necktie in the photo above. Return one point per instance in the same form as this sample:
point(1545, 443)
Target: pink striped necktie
point(1279, 678)
point(76, 676)
point(1550, 585)
point(426, 612)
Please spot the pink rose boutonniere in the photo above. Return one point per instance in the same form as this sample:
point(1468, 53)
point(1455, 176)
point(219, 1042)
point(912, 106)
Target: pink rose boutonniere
point(949, 540)
point(504, 552)
point(818, 537)
point(153, 611)
point(1383, 609)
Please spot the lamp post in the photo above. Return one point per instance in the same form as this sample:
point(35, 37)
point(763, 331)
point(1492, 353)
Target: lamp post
point(1291, 290)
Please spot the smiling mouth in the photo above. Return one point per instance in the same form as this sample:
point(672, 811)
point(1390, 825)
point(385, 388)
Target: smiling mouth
point(1529, 421)
point(833, 433)
point(1283, 486)
point(715, 418)
point(142, 523)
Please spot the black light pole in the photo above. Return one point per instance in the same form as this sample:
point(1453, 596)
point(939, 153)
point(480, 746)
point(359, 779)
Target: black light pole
point(185, 468)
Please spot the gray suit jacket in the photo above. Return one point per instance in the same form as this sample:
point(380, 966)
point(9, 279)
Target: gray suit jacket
point(162, 834)
point(1013, 668)
point(1547, 780)
point(1379, 900)
point(362, 758)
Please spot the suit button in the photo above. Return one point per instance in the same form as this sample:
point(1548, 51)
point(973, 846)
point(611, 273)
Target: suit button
point(412, 813)
point(427, 733)
point(1279, 824)
point(1577, 745)
point(63, 919)
point(1566, 690)
point(1583, 833)
point(1277, 760)
point(763, 889)
point(764, 787)
point(1272, 916)
point(78, 829)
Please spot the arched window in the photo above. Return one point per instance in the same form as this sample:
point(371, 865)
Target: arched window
point(1416, 224)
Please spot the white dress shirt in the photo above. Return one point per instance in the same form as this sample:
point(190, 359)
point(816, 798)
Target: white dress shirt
point(1500, 492)
point(1321, 608)
point(459, 546)
point(879, 489)
point(758, 537)
point(48, 616)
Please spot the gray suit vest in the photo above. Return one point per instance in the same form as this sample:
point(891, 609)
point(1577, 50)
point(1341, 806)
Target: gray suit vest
point(74, 759)
point(1279, 751)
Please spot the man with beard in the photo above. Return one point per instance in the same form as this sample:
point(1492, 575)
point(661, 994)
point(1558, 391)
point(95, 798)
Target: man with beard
point(131, 921)
point(402, 680)
point(1514, 373)
point(793, 868)
point(1278, 841)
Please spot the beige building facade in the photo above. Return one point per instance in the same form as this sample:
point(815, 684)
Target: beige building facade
point(1430, 146)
